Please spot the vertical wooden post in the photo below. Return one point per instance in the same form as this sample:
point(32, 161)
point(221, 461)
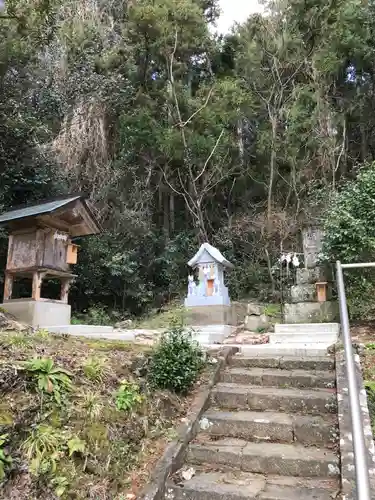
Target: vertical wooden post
point(37, 285)
point(8, 286)
point(39, 242)
point(10, 251)
point(65, 285)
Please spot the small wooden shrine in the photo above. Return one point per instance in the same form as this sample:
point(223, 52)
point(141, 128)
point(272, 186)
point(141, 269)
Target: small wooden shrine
point(40, 246)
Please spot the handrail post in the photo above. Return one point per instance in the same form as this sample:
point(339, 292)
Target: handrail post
point(359, 446)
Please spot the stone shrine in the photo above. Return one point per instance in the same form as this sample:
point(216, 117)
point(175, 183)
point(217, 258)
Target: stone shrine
point(310, 299)
point(208, 303)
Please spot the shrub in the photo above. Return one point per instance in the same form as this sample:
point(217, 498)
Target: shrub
point(176, 361)
point(350, 237)
point(128, 396)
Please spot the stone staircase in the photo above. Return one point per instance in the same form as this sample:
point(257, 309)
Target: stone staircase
point(270, 434)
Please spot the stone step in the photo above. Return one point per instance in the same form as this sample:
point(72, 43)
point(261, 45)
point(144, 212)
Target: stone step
point(300, 337)
point(270, 458)
point(280, 378)
point(245, 397)
point(311, 328)
point(270, 426)
point(319, 363)
point(229, 485)
point(295, 350)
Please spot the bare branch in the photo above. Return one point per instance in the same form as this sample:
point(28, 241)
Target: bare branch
point(171, 79)
point(210, 155)
point(340, 155)
point(198, 110)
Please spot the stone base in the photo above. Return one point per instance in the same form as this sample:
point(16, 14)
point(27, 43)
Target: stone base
point(214, 300)
point(210, 315)
point(307, 293)
point(311, 276)
point(211, 334)
point(311, 312)
point(39, 314)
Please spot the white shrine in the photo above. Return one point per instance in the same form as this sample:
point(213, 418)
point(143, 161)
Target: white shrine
point(208, 301)
point(210, 289)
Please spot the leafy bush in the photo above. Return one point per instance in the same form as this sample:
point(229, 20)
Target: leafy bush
point(176, 361)
point(350, 237)
point(5, 459)
point(349, 225)
point(50, 379)
point(128, 396)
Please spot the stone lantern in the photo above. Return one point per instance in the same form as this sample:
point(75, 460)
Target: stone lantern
point(208, 303)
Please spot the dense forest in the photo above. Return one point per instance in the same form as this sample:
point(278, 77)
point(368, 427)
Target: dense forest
point(179, 135)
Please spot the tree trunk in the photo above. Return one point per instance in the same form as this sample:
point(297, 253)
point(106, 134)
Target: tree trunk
point(272, 168)
point(171, 214)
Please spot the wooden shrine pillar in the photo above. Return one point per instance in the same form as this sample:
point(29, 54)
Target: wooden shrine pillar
point(65, 286)
point(37, 284)
point(8, 286)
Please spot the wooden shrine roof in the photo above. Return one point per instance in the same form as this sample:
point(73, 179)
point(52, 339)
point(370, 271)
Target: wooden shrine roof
point(55, 207)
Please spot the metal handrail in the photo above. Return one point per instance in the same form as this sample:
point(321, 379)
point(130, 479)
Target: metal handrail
point(359, 445)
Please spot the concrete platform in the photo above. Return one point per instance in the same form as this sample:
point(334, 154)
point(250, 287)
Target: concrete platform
point(39, 313)
point(92, 331)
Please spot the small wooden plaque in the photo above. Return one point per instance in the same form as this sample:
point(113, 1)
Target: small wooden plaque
point(321, 288)
point(72, 254)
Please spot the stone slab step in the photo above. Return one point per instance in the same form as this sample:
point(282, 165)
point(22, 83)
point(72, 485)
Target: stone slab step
point(272, 426)
point(261, 458)
point(229, 485)
point(245, 397)
point(279, 378)
point(283, 362)
point(300, 337)
point(217, 486)
point(295, 350)
point(311, 328)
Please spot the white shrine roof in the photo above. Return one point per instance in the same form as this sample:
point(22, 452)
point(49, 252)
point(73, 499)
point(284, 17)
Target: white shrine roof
point(216, 255)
